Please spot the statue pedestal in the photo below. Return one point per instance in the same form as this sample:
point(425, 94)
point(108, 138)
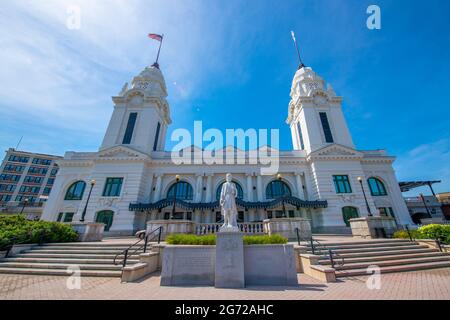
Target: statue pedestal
point(229, 269)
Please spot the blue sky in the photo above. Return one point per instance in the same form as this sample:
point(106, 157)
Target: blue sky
point(230, 57)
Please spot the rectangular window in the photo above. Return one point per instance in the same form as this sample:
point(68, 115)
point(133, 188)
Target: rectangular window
point(300, 136)
point(60, 215)
point(326, 127)
point(130, 128)
point(158, 129)
point(7, 187)
point(18, 159)
point(112, 187)
point(342, 184)
point(68, 217)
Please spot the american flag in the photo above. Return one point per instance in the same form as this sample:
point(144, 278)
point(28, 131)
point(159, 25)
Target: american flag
point(155, 36)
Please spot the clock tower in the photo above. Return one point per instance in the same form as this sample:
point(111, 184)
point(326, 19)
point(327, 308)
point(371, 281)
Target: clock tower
point(315, 113)
point(141, 114)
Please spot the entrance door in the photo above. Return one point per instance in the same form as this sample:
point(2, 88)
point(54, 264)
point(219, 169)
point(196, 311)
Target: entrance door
point(105, 217)
point(349, 213)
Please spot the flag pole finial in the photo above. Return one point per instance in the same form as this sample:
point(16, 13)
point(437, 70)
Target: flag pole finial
point(301, 64)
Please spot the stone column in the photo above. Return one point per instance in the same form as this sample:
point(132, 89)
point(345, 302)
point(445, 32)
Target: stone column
point(208, 188)
point(199, 188)
point(151, 188)
point(259, 187)
point(157, 193)
point(249, 187)
point(300, 191)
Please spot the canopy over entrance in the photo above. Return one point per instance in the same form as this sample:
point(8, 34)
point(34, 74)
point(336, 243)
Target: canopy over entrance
point(240, 203)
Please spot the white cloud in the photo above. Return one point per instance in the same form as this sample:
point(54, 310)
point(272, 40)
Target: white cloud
point(64, 78)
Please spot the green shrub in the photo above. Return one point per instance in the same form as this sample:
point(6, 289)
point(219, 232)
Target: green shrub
point(436, 231)
point(190, 239)
point(431, 231)
point(17, 229)
point(403, 234)
point(273, 239)
point(210, 240)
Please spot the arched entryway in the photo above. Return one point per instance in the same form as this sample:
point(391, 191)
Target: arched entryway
point(349, 213)
point(106, 217)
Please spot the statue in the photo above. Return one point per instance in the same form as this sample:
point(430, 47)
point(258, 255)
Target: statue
point(228, 203)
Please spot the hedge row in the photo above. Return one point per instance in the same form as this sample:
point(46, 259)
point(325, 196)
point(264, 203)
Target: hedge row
point(210, 240)
point(431, 231)
point(16, 229)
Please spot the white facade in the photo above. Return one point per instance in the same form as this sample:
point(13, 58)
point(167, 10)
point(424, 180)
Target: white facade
point(133, 150)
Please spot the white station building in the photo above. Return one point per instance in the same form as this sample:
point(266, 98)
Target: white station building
point(132, 179)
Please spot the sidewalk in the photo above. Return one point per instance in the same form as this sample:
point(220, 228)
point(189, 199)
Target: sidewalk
point(430, 284)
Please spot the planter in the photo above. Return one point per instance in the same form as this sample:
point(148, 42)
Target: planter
point(89, 231)
point(287, 227)
point(195, 265)
point(373, 227)
point(171, 227)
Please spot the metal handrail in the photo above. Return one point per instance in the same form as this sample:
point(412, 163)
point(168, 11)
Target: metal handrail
point(126, 253)
point(330, 254)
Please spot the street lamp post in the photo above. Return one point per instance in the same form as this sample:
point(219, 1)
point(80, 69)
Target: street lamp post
point(177, 178)
point(280, 178)
point(425, 204)
point(360, 179)
point(25, 202)
point(87, 201)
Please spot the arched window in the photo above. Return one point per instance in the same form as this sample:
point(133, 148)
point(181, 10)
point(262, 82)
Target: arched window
point(277, 189)
point(240, 192)
point(184, 191)
point(377, 187)
point(349, 213)
point(75, 191)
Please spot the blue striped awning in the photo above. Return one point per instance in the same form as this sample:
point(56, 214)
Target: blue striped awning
point(240, 203)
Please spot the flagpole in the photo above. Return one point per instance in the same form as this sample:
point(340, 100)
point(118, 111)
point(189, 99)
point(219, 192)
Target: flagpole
point(159, 50)
point(298, 51)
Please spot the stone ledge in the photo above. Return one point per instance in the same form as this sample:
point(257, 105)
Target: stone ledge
point(147, 265)
point(325, 274)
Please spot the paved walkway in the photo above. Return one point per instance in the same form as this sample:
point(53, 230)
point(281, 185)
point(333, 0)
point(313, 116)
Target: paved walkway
point(430, 284)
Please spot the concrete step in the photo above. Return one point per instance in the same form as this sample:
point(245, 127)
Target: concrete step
point(385, 263)
point(119, 248)
point(59, 266)
point(64, 261)
point(370, 245)
point(374, 259)
point(363, 242)
point(391, 269)
point(61, 272)
point(76, 251)
point(384, 253)
point(70, 256)
point(89, 244)
point(377, 249)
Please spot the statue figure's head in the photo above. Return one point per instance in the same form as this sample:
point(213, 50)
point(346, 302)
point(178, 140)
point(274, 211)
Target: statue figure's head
point(229, 177)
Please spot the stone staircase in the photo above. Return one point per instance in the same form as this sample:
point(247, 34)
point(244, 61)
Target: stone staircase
point(353, 258)
point(93, 260)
